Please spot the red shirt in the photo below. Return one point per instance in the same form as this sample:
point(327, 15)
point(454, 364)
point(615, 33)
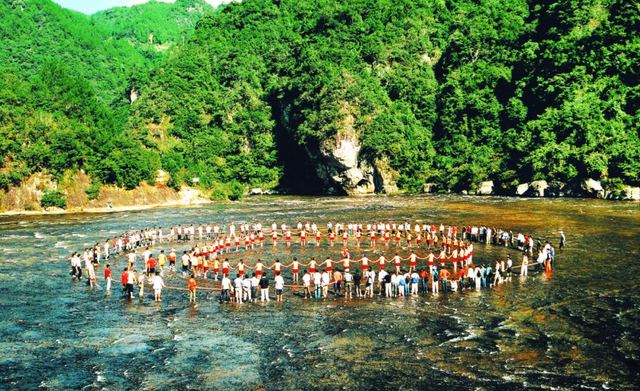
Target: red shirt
point(125, 277)
point(107, 273)
point(152, 263)
point(192, 284)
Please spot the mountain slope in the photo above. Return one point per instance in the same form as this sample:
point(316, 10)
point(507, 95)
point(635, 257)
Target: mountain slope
point(357, 96)
point(169, 23)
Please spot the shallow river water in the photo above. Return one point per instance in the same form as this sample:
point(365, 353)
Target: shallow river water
point(577, 328)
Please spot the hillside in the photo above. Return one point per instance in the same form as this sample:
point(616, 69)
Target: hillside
point(37, 32)
point(65, 85)
point(153, 26)
point(355, 97)
point(318, 96)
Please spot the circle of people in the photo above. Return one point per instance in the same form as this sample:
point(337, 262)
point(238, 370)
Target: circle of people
point(206, 258)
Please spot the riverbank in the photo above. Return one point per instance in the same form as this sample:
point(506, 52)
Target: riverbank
point(106, 209)
point(26, 199)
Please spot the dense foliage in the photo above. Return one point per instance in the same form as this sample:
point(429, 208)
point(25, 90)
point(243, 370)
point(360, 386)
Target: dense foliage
point(452, 92)
point(169, 23)
point(37, 32)
point(55, 123)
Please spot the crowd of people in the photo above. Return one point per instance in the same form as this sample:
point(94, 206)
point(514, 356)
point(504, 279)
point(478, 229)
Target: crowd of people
point(447, 251)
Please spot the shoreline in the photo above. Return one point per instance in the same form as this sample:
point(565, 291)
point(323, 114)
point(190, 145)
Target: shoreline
point(123, 208)
point(202, 201)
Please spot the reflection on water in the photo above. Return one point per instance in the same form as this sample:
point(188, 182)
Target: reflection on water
point(575, 329)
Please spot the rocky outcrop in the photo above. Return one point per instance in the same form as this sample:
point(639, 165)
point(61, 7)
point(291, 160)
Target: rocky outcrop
point(537, 188)
point(558, 189)
point(340, 166)
point(429, 188)
point(28, 194)
point(630, 193)
point(345, 170)
point(485, 188)
point(522, 189)
point(385, 177)
point(592, 188)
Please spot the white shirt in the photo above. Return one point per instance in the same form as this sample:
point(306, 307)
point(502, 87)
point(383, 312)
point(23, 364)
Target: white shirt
point(306, 279)
point(279, 281)
point(158, 283)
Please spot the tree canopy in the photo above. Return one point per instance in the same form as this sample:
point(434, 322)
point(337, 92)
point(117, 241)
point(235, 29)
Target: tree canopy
point(452, 92)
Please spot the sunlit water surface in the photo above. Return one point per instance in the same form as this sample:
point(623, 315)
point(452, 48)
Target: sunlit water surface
point(575, 329)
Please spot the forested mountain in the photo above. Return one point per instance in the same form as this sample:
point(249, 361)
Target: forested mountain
point(371, 94)
point(65, 81)
point(38, 32)
point(168, 23)
point(322, 96)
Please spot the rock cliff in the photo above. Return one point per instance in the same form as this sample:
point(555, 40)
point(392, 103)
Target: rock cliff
point(342, 167)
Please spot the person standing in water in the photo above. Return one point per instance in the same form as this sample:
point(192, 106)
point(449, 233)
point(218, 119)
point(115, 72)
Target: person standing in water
point(140, 283)
point(191, 284)
point(264, 288)
point(279, 285)
point(348, 285)
point(237, 283)
point(158, 284)
point(107, 276)
point(225, 284)
point(295, 265)
point(524, 267)
point(306, 282)
point(357, 278)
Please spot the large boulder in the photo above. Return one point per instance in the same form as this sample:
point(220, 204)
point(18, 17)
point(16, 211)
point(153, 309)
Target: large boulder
point(485, 188)
point(631, 193)
point(522, 189)
point(558, 189)
point(384, 176)
point(429, 188)
point(592, 188)
point(538, 188)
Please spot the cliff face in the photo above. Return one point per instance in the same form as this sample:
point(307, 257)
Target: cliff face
point(342, 167)
point(340, 164)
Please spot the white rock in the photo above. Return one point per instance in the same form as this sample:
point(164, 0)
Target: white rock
point(538, 188)
point(592, 186)
point(522, 188)
point(485, 188)
point(429, 188)
point(631, 193)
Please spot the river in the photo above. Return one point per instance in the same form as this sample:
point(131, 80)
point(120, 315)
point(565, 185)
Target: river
point(576, 328)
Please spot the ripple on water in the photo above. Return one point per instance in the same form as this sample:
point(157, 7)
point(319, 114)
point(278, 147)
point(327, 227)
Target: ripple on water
point(494, 339)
